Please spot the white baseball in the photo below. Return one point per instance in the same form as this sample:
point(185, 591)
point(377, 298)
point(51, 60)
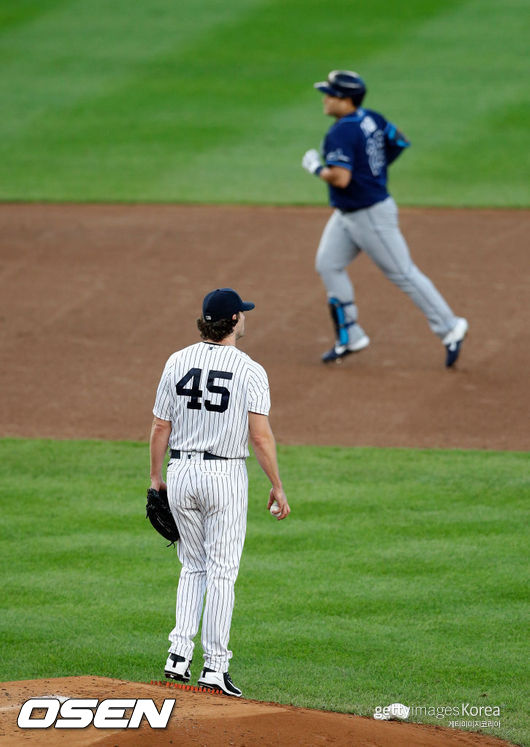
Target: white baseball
point(275, 509)
point(392, 711)
point(398, 710)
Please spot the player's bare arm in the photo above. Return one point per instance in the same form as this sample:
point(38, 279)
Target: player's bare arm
point(336, 176)
point(264, 445)
point(158, 443)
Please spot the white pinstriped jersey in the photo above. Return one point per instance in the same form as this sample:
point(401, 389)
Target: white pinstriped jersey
point(207, 391)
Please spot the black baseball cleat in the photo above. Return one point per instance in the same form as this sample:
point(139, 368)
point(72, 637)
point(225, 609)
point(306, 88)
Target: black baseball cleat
point(218, 681)
point(177, 668)
point(338, 352)
point(453, 341)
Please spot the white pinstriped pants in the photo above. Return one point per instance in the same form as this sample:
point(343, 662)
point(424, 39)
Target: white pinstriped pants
point(209, 502)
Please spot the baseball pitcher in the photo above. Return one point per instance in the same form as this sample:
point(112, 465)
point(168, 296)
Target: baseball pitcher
point(211, 398)
point(357, 150)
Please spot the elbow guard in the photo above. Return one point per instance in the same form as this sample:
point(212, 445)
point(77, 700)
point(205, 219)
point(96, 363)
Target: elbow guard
point(396, 137)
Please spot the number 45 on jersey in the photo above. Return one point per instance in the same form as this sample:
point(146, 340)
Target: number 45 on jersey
point(195, 393)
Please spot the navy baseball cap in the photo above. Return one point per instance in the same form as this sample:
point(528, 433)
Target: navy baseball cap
point(342, 84)
point(223, 303)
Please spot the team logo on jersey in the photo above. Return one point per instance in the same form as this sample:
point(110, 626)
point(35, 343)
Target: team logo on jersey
point(337, 155)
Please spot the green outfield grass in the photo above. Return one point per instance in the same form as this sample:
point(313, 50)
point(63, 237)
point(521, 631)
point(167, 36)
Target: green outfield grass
point(213, 102)
point(399, 576)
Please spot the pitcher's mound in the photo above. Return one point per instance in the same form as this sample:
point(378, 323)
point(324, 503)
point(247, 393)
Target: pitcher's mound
point(214, 720)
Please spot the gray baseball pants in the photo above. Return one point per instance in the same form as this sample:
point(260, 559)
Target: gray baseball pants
point(375, 231)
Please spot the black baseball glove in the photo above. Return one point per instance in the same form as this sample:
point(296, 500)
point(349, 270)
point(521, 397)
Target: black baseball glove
point(158, 512)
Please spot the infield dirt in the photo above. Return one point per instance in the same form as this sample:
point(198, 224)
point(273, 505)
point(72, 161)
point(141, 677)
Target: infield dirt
point(95, 298)
point(215, 721)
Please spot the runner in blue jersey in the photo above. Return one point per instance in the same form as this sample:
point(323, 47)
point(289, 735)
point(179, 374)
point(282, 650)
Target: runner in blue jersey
point(357, 151)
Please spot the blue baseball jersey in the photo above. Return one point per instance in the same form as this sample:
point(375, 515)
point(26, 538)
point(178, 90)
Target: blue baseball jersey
point(365, 143)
